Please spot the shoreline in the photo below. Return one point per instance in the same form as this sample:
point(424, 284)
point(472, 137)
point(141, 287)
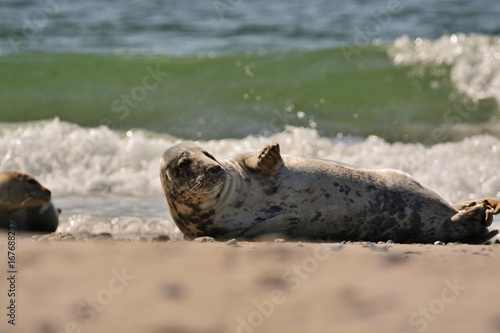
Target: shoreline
point(182, 286)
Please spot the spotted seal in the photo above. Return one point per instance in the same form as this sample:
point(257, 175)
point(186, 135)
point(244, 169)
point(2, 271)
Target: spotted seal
point(262, 192)
point(26, 203)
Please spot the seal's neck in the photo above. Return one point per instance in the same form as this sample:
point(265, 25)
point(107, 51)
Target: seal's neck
point(5, 206)
point(5, 210)
point(232, 183)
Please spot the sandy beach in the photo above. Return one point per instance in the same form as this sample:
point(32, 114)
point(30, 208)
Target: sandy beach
point(93, 93)
point(101, 285)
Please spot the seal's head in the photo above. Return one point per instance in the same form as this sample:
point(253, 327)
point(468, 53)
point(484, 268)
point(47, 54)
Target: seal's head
point(188, 171)
point(19, 190)
point(192, 180)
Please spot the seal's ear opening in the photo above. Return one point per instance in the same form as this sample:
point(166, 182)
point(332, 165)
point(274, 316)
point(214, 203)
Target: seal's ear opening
point(164, 169)
point(164, 174)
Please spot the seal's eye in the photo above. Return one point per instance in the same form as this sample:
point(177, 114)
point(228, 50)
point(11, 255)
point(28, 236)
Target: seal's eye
point(209, 156)
point(32, 182)
point(183, 164)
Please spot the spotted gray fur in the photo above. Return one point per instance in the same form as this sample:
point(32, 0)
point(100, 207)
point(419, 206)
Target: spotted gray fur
point(262, 192)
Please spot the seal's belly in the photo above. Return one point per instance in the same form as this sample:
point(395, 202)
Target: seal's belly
point(329, 201)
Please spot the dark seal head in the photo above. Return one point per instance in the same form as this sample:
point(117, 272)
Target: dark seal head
point(192, 180)
point(26, 203)
point(20, 190)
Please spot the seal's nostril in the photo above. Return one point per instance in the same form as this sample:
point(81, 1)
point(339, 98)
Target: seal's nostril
point(214, 169)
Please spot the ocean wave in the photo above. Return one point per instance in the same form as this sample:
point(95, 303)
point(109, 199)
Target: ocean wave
point(474, 60)
point(68, 158)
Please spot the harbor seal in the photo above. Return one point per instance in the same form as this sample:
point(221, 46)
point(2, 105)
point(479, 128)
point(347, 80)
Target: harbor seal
point(26, 203)
point(262, 193)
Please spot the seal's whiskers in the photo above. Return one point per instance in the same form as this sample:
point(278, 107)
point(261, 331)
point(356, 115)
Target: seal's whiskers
point(197, 185)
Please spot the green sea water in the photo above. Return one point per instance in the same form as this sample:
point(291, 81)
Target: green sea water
point(213, 97)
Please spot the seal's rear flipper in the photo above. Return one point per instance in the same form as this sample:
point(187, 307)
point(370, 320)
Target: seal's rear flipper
point(486, 236)
point(491, 207)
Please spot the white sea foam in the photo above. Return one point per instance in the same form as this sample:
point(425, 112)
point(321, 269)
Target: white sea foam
point(97, 174)
point(474, 60)
point(69, 158)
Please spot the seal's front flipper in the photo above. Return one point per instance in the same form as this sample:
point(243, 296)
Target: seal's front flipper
point(266, 160)
point(269, 157)
point(277, 225)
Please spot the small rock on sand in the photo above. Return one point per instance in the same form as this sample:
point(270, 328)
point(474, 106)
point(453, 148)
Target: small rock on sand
point(205, 239)
point(232, 242)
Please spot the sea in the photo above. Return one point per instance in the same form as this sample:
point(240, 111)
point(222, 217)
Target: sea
point(92, 92)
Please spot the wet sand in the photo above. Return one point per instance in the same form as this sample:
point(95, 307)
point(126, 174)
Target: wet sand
point(65, 285)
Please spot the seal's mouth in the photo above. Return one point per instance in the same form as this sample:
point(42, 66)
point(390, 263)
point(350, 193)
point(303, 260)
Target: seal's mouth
point(36, 198)
point(207, 184)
